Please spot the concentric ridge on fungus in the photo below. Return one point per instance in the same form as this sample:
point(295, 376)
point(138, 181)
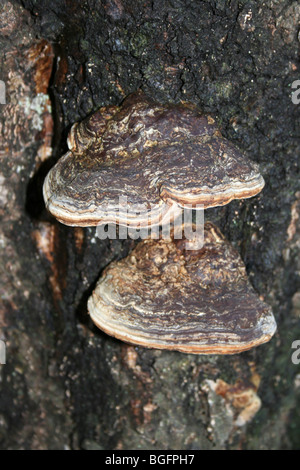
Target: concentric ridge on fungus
point(164, 296)
point(159, 157)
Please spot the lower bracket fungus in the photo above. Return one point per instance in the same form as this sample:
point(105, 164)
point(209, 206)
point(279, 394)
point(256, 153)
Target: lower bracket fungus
point(158, 157)
point(194, 301)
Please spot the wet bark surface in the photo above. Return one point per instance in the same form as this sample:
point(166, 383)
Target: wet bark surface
point(66, 384)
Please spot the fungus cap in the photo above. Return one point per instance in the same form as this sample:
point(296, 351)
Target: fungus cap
point(194, 301)
point(158, 157)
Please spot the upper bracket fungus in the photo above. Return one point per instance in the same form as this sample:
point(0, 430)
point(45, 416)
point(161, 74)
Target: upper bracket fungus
point(164, 296)
point(158, 157)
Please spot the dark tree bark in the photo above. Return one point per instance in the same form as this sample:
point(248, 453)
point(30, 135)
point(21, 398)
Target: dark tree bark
point(66, 384)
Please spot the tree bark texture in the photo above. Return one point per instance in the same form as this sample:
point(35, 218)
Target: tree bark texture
point(65, 384)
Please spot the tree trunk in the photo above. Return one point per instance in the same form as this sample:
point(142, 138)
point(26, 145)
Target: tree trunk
point(66, 384)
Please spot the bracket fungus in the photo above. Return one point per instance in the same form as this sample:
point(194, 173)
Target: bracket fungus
point(164, 296)
point(158, 157)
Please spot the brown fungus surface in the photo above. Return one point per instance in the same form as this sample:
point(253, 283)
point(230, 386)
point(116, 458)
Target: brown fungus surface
point(158, 157)
point(194, 301)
